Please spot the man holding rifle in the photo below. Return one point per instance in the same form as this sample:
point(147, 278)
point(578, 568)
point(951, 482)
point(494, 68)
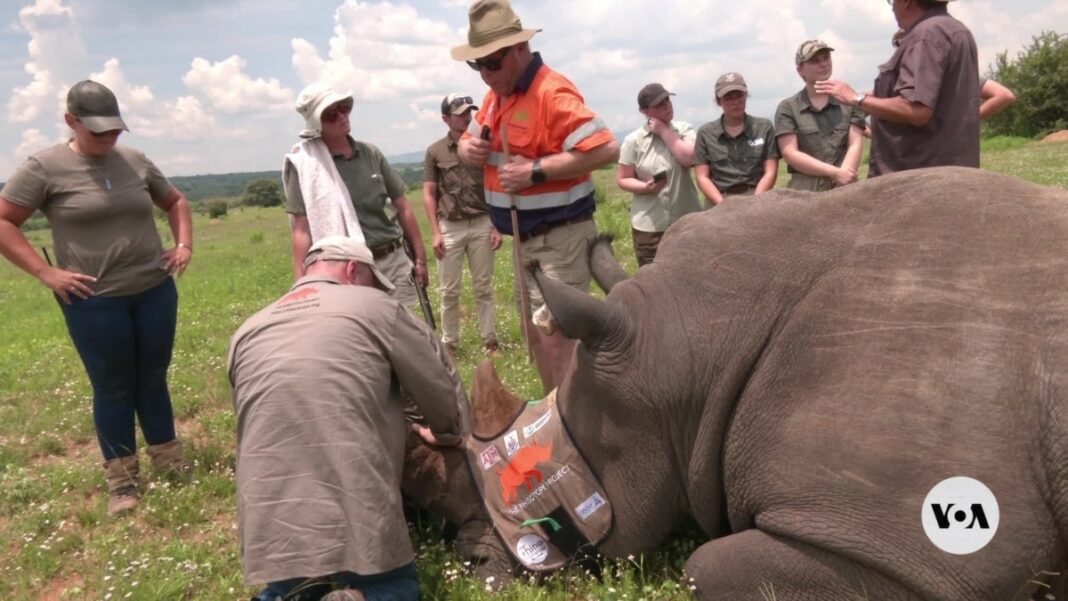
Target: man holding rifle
point(542, 144)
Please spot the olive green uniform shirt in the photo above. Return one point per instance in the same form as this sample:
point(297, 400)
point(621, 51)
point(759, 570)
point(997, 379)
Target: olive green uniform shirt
point(316, 383)
point(821, 133)
point(101, 211)
point(460, 190)
point(371, 183)
point(738, 160)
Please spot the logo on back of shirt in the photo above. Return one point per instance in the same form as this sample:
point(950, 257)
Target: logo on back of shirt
point(299, 295)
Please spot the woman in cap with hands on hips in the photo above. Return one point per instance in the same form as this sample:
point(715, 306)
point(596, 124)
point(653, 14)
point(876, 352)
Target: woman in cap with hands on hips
point(112, 276)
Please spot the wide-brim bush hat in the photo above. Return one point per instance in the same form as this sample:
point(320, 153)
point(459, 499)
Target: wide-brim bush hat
point(492, 25)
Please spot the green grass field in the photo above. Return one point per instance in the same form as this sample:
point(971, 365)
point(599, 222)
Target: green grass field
point(182, 542)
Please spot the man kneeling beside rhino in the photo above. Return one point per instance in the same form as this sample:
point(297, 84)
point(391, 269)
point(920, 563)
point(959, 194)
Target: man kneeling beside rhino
point(805, 376)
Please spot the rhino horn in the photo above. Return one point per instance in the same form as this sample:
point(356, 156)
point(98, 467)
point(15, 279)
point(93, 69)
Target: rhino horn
point(493, 407)
point(580, 316)
point(605, 268)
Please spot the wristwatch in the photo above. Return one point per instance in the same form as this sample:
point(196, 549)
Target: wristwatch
point(859, 98)
point(537, 176)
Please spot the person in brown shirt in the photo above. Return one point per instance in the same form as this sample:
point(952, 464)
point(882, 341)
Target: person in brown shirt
point(112, 277)
point(456, 209)
point(925, 105)
point(316, 381)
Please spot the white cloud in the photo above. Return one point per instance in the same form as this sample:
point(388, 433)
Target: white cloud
point(130, 96)
point(184, 119)
point(384, 52)
point(56, 54)
point(32, 141)
point(226, 86)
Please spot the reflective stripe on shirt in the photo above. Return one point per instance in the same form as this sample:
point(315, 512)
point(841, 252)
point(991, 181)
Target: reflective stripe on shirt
point(544, 200)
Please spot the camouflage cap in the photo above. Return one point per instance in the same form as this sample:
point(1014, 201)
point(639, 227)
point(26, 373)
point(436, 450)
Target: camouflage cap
point(808, 49)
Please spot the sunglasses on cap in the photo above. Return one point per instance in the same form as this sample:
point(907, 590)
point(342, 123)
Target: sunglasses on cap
point(334, 113)
point(460, 101)
point(491, 62)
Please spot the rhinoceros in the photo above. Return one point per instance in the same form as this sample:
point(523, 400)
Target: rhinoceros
point(798, 372)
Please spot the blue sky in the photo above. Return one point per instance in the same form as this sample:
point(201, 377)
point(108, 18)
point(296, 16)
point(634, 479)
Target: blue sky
point(208, 86)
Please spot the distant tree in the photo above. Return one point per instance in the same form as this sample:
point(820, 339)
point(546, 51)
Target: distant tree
point(217, 208)
point(262, 193)
point(1039, 77)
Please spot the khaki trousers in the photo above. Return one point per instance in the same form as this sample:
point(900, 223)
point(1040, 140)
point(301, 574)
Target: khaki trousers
point(470, 238)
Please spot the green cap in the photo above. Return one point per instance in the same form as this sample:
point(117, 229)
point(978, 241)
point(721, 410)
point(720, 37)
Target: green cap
point(808, 49)
point(95, 106)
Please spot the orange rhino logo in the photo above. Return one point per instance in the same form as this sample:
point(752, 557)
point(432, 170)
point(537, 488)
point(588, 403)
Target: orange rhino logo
point(299, 295)
point(521, 470)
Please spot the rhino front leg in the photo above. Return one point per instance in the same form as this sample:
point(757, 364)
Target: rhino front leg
point(755, 566)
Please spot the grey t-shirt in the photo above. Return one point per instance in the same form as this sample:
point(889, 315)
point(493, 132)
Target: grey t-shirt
point(371, 183)
point(101, 213)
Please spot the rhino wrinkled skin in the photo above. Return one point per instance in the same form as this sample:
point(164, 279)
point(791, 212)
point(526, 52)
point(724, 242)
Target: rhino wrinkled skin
point(797, 371)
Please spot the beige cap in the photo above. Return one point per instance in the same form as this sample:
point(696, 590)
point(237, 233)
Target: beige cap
point(808, 49)
point(311, 103)
point(730, 82)
point(343, 248)
point(493, 25)
point(457, 104)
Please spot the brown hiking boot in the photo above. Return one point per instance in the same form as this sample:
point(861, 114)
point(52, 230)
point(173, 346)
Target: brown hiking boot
point(123, 474)
point(345, 594)
point(169, 459)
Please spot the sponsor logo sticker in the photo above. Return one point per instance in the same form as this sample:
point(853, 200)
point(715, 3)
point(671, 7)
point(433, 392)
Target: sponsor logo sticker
point(960, 515)
point(590, 505)
point(511, 442)
point(489, 457)
point(529, 431)
point(532, 550)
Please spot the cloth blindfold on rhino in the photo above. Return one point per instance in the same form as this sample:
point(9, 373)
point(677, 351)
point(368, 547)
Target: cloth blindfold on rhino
point(545, 503)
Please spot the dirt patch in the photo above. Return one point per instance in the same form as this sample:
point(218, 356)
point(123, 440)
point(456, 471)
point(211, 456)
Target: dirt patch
point(54, 591)
point(1060, 136)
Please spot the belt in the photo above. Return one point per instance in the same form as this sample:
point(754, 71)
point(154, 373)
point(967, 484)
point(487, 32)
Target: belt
point(739, 188)
point(384, 249)
point(545, 228)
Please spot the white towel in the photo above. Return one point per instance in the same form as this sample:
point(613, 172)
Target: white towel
point(326, 198)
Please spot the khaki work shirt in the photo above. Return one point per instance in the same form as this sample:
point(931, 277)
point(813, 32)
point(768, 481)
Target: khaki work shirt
point(821, 133)
point(738, 160)
point(101, 211)
point(647, 153)
point(937, 66)
point(460, 192)
point(371, 183)
point(316, 382)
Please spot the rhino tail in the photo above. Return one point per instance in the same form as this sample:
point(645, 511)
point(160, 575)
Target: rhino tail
point(605, 268)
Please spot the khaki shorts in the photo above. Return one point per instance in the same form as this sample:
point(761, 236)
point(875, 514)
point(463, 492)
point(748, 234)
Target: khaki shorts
point(563, 253)
point(398, 269)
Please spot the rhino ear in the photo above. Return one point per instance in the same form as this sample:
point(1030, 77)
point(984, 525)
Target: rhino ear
point(605, 268)
point(599, 325)
point(493, 406)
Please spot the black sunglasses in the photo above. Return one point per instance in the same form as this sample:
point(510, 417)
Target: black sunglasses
point(461, 100)
point(491, 62)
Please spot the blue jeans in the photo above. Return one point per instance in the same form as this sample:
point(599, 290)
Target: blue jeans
point(125, 343)
point(401, 584)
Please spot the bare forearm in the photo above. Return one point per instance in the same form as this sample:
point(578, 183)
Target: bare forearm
point(410, 227)
point(181, 222)
point(16, 248)
point(301, 242)
point(807, 164)
point(707, 186)
point(430, 203)
point(681, 149)
point(771, 173)
point(855, 149)
point(897, 110)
